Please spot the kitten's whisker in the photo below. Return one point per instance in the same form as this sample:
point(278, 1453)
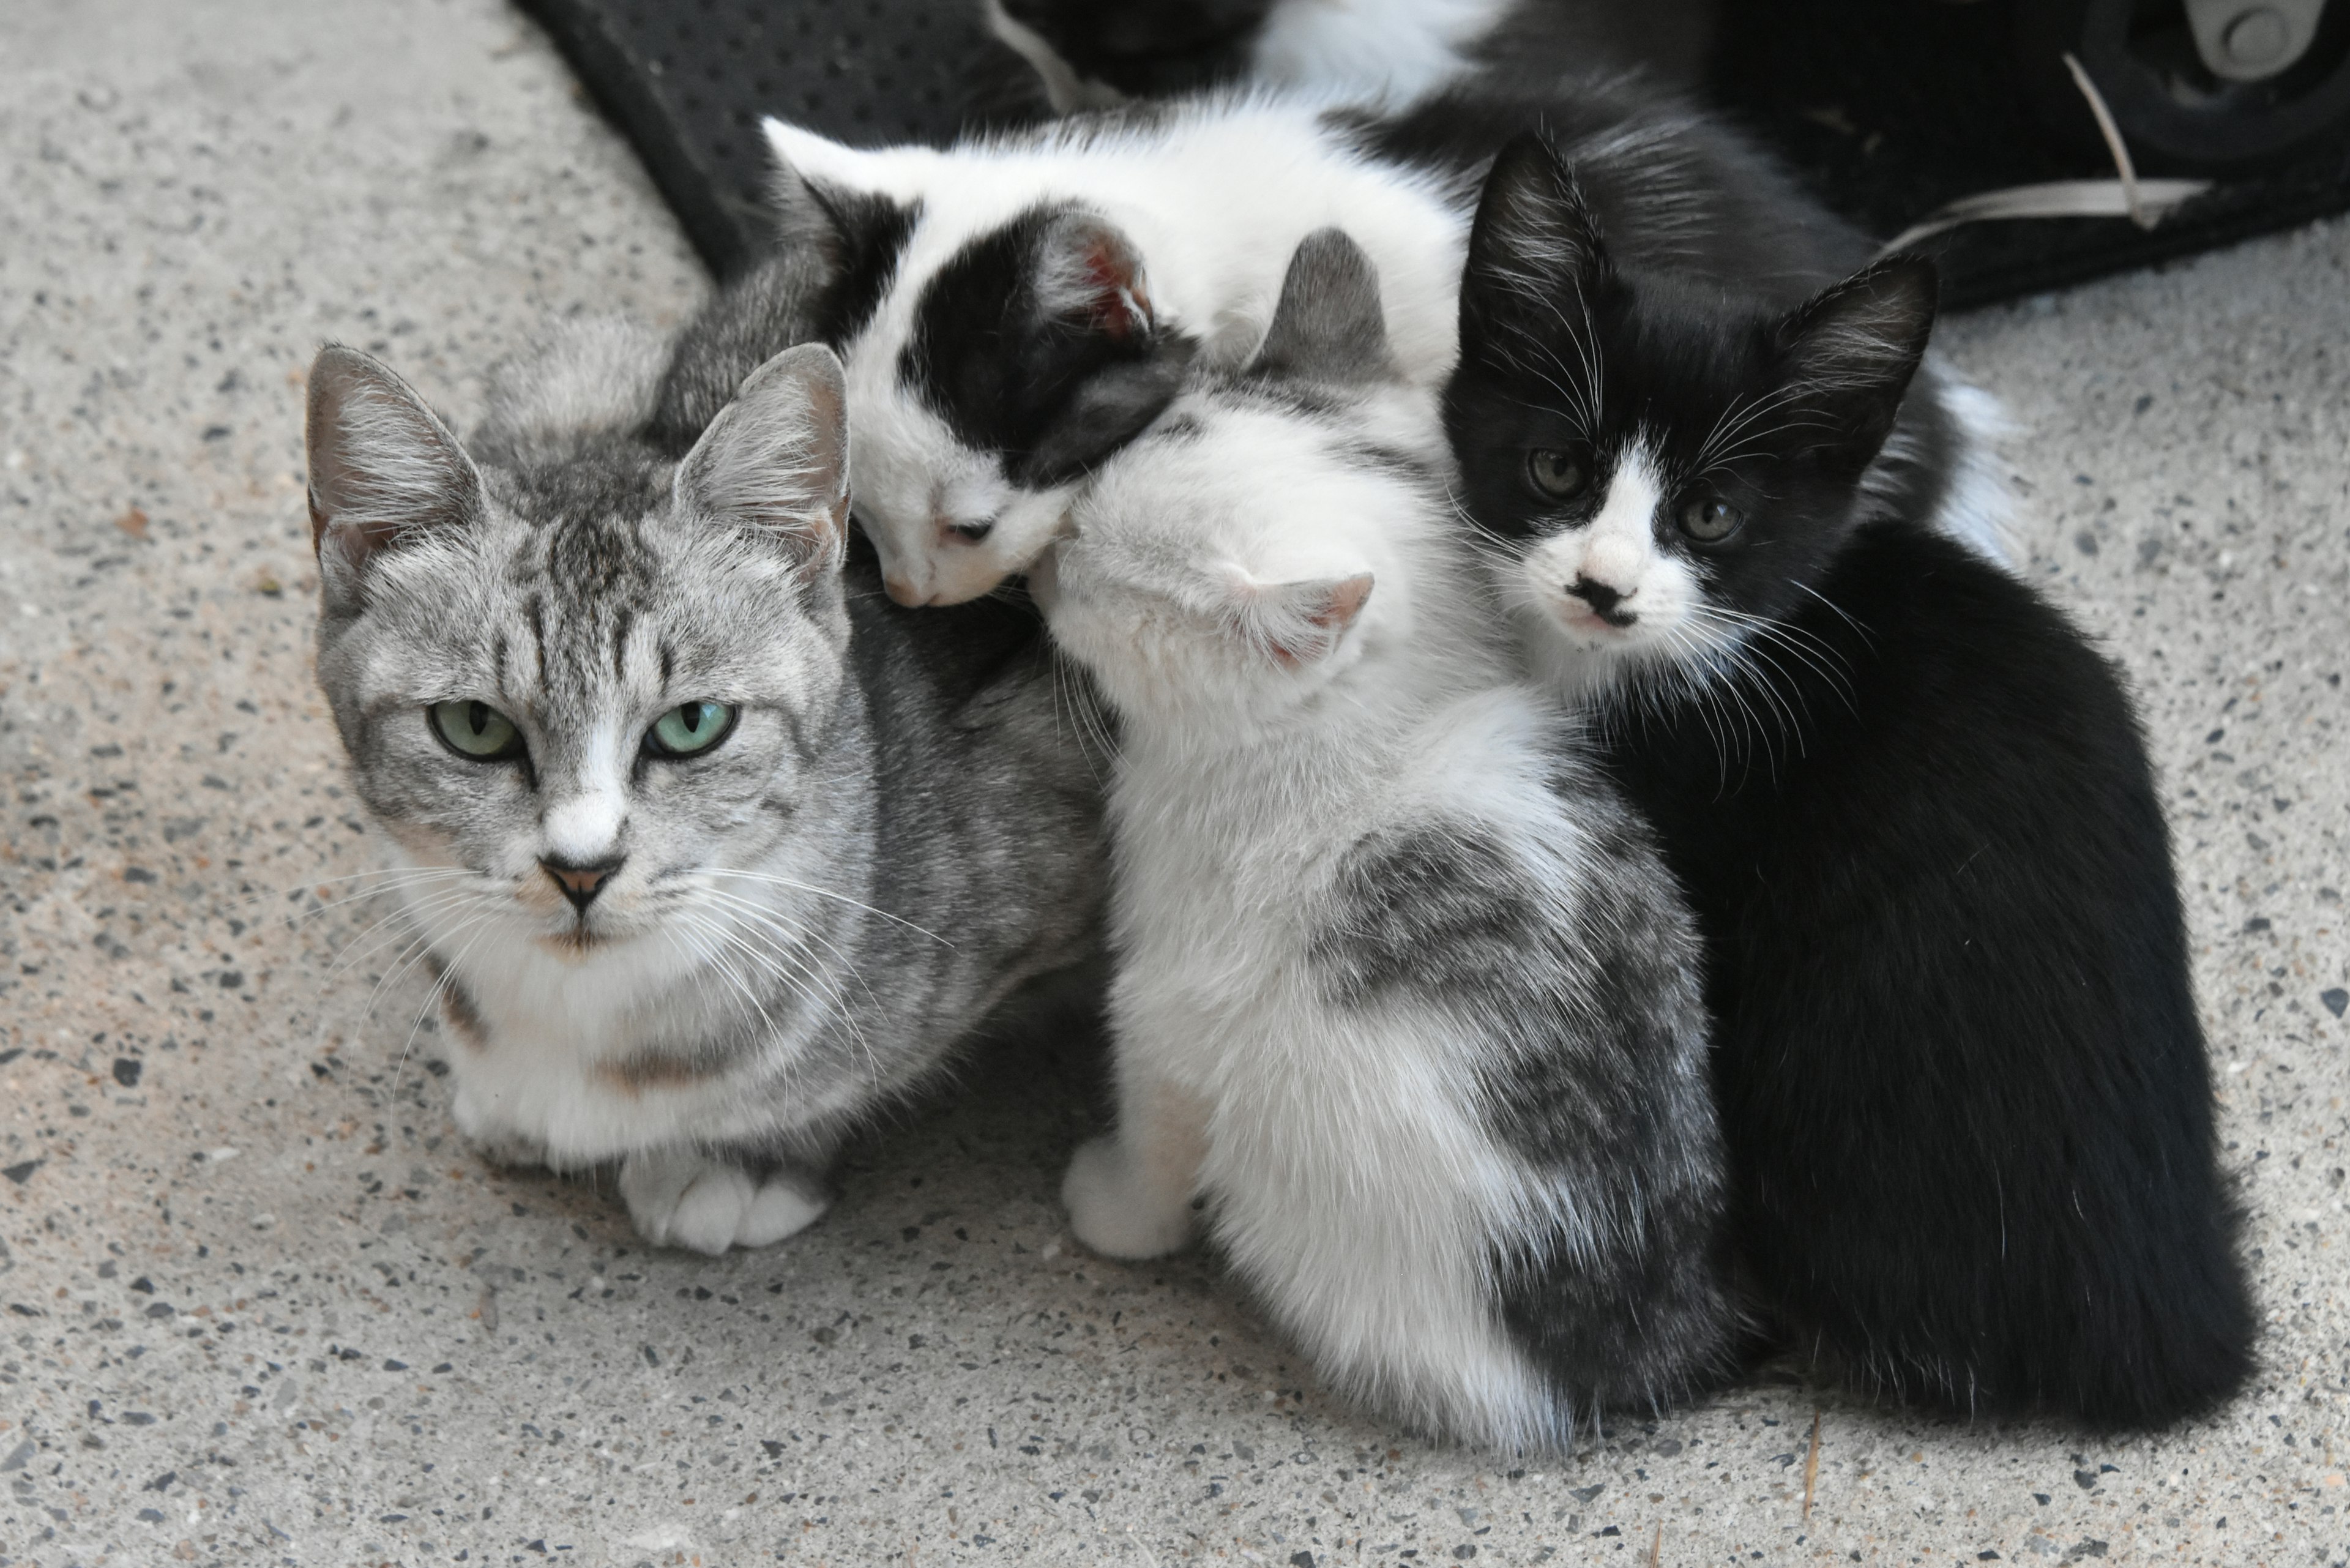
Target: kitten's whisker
point(1864, 634)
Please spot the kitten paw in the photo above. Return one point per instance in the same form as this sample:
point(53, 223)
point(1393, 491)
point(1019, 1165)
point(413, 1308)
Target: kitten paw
point(1113, 1208)
point(493, 1140)
point(681, 1198)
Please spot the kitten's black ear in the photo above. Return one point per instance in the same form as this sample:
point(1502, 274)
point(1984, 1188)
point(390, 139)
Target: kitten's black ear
point(1535, 240)
point(1850, 351)
point(1328, 327)
point(776, 459)
point(832, 201)
point(382, 465)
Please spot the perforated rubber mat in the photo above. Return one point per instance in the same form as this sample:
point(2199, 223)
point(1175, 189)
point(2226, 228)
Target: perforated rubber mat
point(1887, 111)
point(688, 80)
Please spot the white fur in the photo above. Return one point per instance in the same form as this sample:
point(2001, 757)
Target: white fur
point(683, 1198)
point(1353, 1178)
point(1215, 198)
point(1390, 52)
point(1617, 547)
point(1979, 510)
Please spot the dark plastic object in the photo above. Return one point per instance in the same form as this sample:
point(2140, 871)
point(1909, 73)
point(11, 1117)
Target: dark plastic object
point(1887, 108)
point(688, 80)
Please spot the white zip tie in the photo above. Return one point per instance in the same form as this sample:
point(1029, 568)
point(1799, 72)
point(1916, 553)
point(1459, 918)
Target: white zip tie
point(2145, 202)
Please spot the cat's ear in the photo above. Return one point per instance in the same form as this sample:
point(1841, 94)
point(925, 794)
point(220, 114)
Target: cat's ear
point(1328, 327)
point(382, 465)
point(775, 459)
point(1849, 352)
point(1298, 623)
point(831, 199)
point(1534, 243)
point(1089, 276)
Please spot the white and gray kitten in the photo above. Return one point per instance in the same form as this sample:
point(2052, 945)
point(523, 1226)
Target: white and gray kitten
point(712, 852)
point(1403, 988)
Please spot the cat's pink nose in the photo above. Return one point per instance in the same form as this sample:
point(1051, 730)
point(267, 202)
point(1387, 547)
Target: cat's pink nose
point(904, 592)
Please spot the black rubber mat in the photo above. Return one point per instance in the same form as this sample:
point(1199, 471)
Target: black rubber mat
point(688, 80)
point(1890, 108)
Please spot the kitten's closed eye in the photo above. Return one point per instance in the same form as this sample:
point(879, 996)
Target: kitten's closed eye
point(1709, 519)
point(1558, 476)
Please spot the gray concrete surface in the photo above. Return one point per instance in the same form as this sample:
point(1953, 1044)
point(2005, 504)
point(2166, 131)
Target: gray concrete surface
point(258, 1305)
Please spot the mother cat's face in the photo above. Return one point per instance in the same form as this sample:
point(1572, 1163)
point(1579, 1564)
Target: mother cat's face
point(580, 688)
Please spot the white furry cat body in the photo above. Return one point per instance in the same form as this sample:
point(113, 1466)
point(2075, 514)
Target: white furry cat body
point(1354, 1181)
point(1334, 805)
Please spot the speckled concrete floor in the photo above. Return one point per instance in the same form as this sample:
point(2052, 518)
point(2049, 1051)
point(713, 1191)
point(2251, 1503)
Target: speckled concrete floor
point(261, 1306)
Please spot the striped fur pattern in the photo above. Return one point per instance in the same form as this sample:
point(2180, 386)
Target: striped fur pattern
point(781, 935)
point(1402, 989)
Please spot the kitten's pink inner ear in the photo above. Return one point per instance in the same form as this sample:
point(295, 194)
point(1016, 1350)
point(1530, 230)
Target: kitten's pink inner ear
point(1101, 283)
point(1327, 610)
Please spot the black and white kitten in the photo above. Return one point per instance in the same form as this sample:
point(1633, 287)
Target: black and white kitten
point(1958, 1059)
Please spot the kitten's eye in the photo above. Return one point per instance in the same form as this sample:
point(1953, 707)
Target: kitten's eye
point(1557, 474)
point(1709, 520)
point(476, 731)
point(690, 728)
point(972, 533)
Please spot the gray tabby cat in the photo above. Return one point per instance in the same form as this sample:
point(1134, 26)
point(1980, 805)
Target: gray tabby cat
point(680, 803)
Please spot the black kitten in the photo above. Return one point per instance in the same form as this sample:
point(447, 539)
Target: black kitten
point(1958, 1058)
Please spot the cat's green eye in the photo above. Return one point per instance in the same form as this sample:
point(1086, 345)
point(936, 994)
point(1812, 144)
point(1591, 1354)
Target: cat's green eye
point(1709, 519)
point(689, 729)
point(476, 731)
point(1561, 475)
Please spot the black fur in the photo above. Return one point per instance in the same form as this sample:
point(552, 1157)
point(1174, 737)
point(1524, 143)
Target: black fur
point(857, 237)
point(1052, 385)
point(1959, 1064)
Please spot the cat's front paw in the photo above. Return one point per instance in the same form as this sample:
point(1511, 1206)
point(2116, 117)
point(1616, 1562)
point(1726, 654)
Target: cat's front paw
point(682, 1198)
point(1116, 1211)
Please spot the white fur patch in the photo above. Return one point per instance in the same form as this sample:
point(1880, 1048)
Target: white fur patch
point(1389, 52)
point(1978, 509)
point(1617, 550)
point(583, 822)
